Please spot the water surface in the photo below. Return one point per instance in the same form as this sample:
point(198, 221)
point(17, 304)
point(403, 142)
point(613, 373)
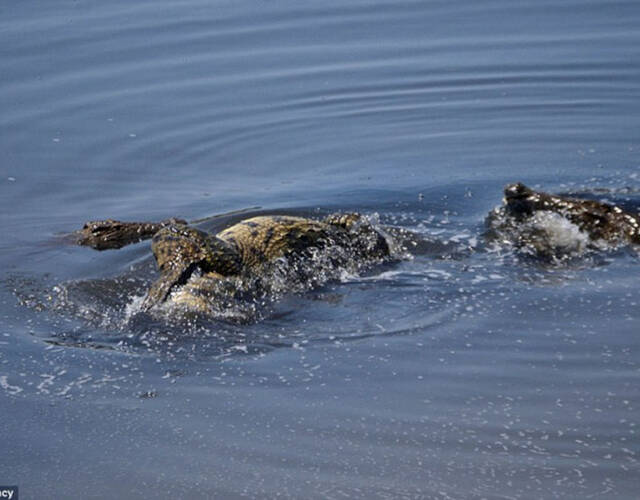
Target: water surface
point(457, 373)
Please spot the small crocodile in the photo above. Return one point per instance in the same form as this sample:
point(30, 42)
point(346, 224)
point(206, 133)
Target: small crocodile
point(529, 219)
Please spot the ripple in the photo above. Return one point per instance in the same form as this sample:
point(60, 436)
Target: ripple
point(456, 373)
point(190, 86)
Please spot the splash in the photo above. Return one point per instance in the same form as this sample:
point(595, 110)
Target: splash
point(249, 297)
point(549, 237)
point(559, 233)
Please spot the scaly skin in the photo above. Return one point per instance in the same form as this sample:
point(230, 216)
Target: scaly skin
point(245, 247)
point(528, 220)
point(600, 221)
point(109, 234)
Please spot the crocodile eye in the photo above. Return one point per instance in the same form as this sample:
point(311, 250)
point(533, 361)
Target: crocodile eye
point(517, 190)
point(512, 189)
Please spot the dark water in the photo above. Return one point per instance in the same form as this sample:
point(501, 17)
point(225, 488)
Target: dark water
point(454, 374)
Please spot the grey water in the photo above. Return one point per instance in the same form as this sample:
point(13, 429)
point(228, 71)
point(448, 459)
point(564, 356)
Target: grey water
point(455, 372)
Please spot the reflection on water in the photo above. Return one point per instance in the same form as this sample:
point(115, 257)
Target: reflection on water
point(464, 371)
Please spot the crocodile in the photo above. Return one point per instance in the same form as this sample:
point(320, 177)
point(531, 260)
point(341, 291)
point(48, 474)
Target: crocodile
point(549, 225)
point(192, 262)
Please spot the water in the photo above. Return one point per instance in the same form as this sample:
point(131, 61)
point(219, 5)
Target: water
point(457, 373)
